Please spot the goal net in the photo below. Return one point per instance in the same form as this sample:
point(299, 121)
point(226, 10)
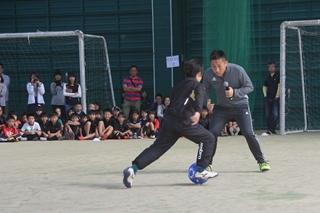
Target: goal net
point(44, 53)
point(300, 76)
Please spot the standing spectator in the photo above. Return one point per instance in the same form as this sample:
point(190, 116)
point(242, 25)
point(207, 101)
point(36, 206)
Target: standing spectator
point(132, 86)
point(3, 92)
point(232, 102)
point(71, 91)
point(58, 100)
point(36, 91)
point(271, 93)
point(6, 81)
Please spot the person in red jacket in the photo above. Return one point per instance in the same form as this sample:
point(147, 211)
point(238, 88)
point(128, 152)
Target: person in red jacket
point(9, 131)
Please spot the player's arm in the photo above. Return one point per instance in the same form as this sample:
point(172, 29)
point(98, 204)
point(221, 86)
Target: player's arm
point(246, 85)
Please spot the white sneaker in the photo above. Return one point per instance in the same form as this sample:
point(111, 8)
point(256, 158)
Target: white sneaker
point(152, 136)
point(43, 139)
point(23, 139)
point(96, 139)
point(128, 175)
point(3, 139)
point(205, 175)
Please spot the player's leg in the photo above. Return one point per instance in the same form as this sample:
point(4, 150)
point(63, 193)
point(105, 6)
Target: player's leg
point(218, 120)
point(244, 120)
point(205, 139)
point(166, 139)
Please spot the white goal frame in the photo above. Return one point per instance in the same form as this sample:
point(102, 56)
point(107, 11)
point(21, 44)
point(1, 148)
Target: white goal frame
point(294, 25)
point(81, 36)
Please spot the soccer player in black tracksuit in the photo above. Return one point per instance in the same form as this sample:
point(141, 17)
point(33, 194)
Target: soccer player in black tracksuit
point(181, 119)
point(231, 85)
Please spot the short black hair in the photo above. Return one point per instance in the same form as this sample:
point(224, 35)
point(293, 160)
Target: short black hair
point(274, 63)
point(205, 108)
point(53, 114)
point(136, 112)
point(74, 115)
point(91, 112)
point(30, 115)
point(44, 114)
point(12, 113)
point(121, 114)
point(10, 117)
point(134, 67)
point(192, 67)
point(107, 110)
point(1, 65)
point(152, 112)
point(217, 54)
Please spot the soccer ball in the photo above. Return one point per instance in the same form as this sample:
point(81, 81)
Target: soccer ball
point(192, 171)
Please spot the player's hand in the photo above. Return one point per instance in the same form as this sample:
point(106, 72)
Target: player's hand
point(210, 106)
point(229, 93)
point(195, 118)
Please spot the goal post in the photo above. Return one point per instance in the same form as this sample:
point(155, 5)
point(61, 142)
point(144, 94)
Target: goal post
point(44, 52)
point(299, 76)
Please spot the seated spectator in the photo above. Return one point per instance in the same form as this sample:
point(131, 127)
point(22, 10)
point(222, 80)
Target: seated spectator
point(2, 118)
point(144, 101)
point(54, 127)
point(153, 125)
point(44, 126)
point(31, 129)
point(70, 112)
point(143, 121)
point(9, 131)
point(78, 109)
point(90, 130)
point(39, 110)
point(134, 124)
point(158, 107)
point(115, 111)
point(91, 107)
point(121, 128)
point(83, 120)
point(23, 120)
point(60, 118)
point(106, 125)
point(234, 128)
point(72, 128)
point(204, 119)
point(14, 114)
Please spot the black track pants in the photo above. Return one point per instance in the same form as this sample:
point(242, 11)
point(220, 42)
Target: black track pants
point(170, 131)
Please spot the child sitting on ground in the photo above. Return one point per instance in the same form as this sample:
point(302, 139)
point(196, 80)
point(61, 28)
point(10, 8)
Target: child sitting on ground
point(44, 126)
point(9, 131)
point(121, 128)
point(204, 119)
point(72, 127)
point(90, 130)
point(234, 128)
point(134, 124)
point(106, 124)
point(54, 127)
point(152, 125)
point(143, 121)
point(31, 130)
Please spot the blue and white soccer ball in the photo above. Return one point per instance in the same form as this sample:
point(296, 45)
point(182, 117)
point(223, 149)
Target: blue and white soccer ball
point(192, 171)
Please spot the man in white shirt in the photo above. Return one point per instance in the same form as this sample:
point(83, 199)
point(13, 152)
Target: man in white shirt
point(6, 81)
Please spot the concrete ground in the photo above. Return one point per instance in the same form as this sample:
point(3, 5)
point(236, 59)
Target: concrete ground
point(86, 176)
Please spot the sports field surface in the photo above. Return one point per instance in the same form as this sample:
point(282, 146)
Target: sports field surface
point(86, 176)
